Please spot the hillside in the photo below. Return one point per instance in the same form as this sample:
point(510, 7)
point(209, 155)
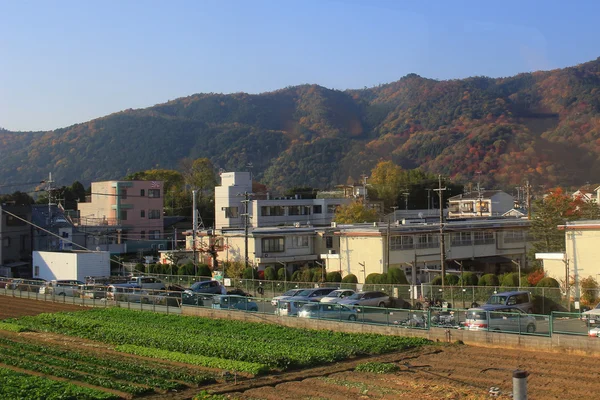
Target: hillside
point(541, 126)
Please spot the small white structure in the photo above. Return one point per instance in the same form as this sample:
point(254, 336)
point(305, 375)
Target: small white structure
point(74, 265)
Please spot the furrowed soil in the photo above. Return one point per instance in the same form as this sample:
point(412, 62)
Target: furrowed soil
point(433, 372)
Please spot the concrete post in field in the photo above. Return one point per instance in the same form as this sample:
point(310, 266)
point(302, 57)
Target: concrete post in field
point(520, 384)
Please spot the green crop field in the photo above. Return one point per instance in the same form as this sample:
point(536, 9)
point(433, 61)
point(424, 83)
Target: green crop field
point(234, 345)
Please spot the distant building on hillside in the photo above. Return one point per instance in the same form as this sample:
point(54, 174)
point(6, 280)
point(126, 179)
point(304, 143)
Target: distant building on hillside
point(487, 203)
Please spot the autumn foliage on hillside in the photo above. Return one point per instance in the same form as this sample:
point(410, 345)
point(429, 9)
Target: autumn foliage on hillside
point(541, 126)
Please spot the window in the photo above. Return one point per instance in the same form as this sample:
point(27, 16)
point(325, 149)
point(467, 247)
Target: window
point(232, 212)
point(6, 242)
point(153, 214)
point(318, 209)
point(272, 211)
point(154, 234)
point(123, 193)
point(36, 270)
point(299, 241)
point(427, 241)
point(154, 193)
point(329, 242)
point(514, 236)
point(401, 242)
point(298, 210)
point(142, 213)
point(331, 208)
point(461, 239)
point(273, 245)
point(65, 234)
point(143, 234)
point(123, 215)
point(14, 221)
point(142, 193)
point(483, 238)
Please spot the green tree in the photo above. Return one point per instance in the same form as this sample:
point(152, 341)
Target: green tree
point(386, 179)
point(548, 213)
point(334, 276)
point(396, 276)
point(355, 212)
point(199, 174)
point(18, 198)
point(270, 273)
point(489, 280)
point(350, 278)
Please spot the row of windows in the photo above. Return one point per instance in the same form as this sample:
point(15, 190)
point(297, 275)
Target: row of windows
point(152, 193)
point(151, 234)
point(457, 239)
point(152, 214)
point(279, 211)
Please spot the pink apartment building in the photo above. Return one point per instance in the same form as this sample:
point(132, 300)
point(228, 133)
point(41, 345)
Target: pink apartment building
point(135, 206)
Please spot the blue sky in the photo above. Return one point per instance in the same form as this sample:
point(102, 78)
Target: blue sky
point(65, 62)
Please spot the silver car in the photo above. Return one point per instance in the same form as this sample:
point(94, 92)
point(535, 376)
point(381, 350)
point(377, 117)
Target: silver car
point(327, 311)
point(337, 295)
point(312, 294)
point(502, 319)
point(289, 307)
point(289, 293)
point(370, 299)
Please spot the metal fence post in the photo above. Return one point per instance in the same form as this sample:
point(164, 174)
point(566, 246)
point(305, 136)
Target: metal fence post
point(520, 385)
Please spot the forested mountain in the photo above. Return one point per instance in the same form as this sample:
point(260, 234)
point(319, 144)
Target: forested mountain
point(541, 126)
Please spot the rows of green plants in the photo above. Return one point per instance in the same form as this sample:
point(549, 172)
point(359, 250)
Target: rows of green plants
point(97, 370)
point(211, 362)
point(42, 366)
point(7, 326)
point(118, 364)
point(16, 385)
point(377, 367)
point(272, 345)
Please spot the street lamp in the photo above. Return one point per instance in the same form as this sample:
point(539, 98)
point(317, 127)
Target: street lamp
point(364, 271)
point(518, 264)
point(322, 270)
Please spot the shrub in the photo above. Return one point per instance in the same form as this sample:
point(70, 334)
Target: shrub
point(316, 274)
point(589, 291)
point(204, 270)
point(534, 277)
point(548, 282)
point(437, 280)
point(396, 276)
point(452, 280)
point(250, 273)
point(488, 280)
point(283, 275)
point(510, 280)
point(468, 279)
point(297, 276)
point(350, 278)
point(270, 274)
point(186, 269)
point(372, 278)
point(333, 277)
point(305, 275)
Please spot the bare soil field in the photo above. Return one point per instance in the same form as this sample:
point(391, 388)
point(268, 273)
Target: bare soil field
point(433, 372)
point(14, 307)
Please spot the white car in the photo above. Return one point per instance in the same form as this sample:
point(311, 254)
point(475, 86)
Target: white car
point(285, 296)
point(337, 295)
point(594, 332)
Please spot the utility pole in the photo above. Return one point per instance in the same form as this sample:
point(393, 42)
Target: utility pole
point(441, 189)
point(527, 187)
point(246, 201)
point(479, 193)
point(406, 200)
point(194, 227)
point(365, 187)
point(428, 198)
point(389, 241)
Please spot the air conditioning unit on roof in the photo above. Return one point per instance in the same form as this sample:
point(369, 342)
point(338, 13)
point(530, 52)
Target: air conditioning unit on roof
point(296, 224)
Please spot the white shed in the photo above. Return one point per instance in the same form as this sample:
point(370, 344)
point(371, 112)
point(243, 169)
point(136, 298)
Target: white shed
point(74, 265)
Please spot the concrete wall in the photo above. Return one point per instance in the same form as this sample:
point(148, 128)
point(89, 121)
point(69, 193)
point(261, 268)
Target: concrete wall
point(355, 249)
point(556, 343)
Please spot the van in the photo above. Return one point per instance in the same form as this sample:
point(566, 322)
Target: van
point(148, 282)
point(499, 318)
point(520, 300)
point(129, 292)
point(64, 287)
point(92, 291)
point(289, 307)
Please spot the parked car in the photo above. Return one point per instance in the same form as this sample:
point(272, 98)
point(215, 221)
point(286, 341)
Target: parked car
point(337, 295)
point(129, 292)
point(148, 282)
point(370, 299)
point(238, 292)
point(593, 314)
point(289, 293)
point(594, 332)
point(228, 302)
point(289, 307)
point(64, 287)
point(312, 294)
point(520, 300)
point(328, 311)
point(500, 318)
point(92, 291)
point(213, 287)
point(25, 285)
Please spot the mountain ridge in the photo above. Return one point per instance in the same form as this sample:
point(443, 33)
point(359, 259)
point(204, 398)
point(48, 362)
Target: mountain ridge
point(542, 126)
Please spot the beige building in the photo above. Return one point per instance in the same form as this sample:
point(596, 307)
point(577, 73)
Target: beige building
point(580, 259)
point(482, 246)
point(135, 206)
